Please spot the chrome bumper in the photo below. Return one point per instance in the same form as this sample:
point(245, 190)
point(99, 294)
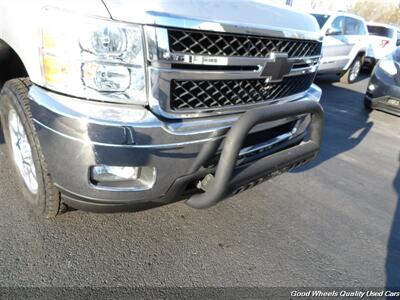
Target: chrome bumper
point(75, 134)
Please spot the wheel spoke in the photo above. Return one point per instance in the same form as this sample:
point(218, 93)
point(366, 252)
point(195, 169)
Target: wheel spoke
point(22, 152)
point(14, 129)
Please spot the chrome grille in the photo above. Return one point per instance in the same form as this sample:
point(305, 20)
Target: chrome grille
point(222, 44)
point(195, 73)
point(212, 94)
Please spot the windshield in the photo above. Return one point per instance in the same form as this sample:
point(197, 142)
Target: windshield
point(380, 31)
point(321, 19)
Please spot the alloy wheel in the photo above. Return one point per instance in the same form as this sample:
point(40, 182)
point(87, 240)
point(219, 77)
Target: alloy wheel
point(355, 70)
point(22, 152)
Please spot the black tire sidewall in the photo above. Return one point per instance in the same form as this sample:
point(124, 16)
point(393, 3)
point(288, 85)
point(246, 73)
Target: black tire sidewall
point(368, 105)
point(11, 100)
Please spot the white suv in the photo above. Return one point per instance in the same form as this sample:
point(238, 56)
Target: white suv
point(344, 45)
point(383, 40)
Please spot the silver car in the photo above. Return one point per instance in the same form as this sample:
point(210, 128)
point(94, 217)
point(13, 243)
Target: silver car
point(345, 44)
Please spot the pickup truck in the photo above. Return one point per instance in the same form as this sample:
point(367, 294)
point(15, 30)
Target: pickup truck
point(121, 105)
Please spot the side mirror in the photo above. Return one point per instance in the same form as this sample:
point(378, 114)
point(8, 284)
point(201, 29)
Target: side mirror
point(333, 31)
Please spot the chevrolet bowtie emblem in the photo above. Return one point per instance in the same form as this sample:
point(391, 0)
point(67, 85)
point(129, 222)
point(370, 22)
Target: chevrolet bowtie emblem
point(276, 69)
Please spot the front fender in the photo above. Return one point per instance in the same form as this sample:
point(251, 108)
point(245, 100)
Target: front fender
point(357, 50)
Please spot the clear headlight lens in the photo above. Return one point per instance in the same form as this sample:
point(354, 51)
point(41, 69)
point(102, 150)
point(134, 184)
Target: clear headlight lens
point(93, 58)
point(389, 66)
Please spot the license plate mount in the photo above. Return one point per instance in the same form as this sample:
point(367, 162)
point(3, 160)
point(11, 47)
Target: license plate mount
point(394, 102)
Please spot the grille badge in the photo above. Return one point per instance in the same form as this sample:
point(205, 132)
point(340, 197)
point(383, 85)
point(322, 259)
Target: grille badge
point(276, 69)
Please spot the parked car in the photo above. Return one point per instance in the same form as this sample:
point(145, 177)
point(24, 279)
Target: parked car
point(344, 44)
point(383, 92)
point(383, 40)
point(109, 105)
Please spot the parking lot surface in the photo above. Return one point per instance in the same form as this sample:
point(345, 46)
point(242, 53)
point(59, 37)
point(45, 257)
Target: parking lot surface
point(335, 222)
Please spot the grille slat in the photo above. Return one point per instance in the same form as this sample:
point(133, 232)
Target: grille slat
point(214, 94)
point(223, 44)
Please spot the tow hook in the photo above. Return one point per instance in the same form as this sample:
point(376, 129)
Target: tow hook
point(205, 182)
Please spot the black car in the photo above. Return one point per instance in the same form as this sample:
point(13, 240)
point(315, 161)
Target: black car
point(383, 92)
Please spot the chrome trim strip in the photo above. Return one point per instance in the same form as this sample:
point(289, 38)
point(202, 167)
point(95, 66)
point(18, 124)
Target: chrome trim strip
point(165, 20)
point(153, 146)
point(172, 145)
point(210, 60)
point(222, 125)
point(178, 74)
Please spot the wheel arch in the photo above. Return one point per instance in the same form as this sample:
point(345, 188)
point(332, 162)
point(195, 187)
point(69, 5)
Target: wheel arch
point(360, 53)
point(11, 64)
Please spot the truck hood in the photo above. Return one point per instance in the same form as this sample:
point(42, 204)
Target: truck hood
point(249, 16)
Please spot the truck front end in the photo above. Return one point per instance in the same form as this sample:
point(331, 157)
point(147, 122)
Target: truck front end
point(175, 100)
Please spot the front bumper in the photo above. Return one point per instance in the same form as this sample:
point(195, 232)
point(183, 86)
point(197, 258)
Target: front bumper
point(385, 88)
point(76, 134)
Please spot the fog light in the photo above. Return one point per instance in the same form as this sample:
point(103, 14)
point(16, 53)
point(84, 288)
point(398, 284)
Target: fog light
point(122, 178)
point(113, 174)
point(371, 87)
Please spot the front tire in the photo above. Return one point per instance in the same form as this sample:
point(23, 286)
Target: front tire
point(367, 105)
point(351, 75)
point(24, 148)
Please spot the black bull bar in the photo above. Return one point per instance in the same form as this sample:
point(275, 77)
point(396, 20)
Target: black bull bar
point(227, 178)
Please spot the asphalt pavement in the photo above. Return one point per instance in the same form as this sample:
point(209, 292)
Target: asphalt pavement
point(335, 222)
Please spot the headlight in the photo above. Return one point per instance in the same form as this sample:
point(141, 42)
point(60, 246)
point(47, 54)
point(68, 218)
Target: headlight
point(388, 65)
point(93, 58)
